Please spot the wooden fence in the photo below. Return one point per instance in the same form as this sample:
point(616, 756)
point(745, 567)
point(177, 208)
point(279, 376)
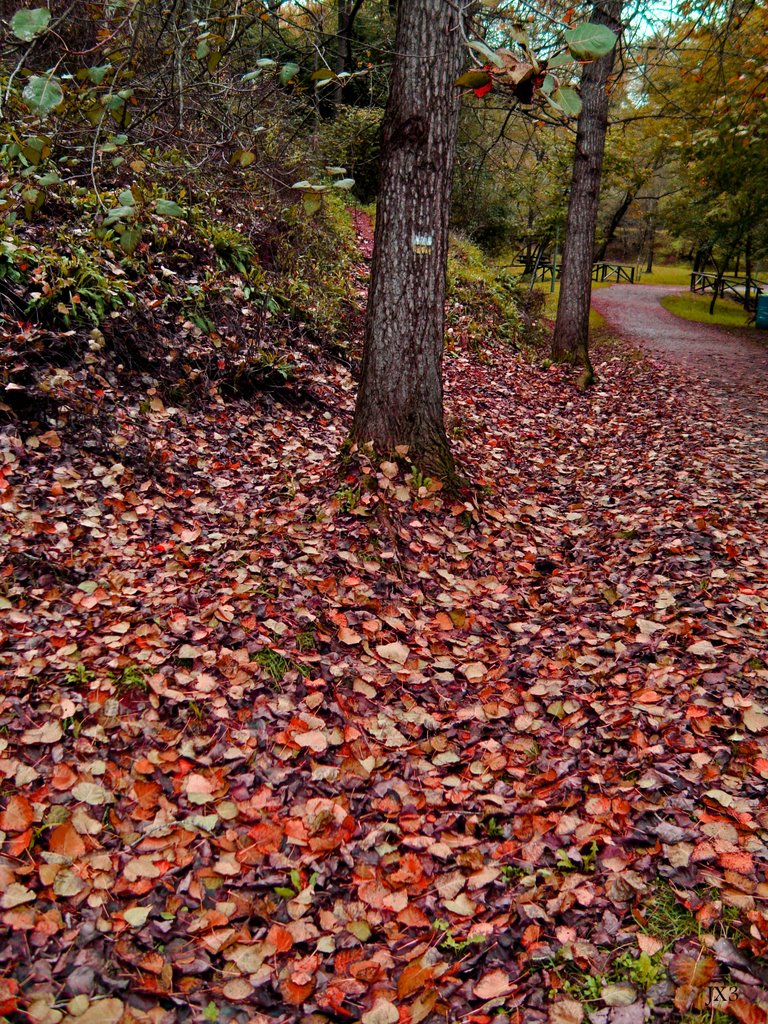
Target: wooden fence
point(744, 290)
point(600, 272)
point(613, 272)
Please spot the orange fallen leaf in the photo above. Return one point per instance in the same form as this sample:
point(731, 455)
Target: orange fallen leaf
point(18, 815)
point(648, 697)
point(414, 978)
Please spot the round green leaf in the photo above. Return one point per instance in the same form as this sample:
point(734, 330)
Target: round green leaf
point(25, 25)
point(587, 42)
point(568, 100)
point(266, 62)
point(43, 93)
point(345, 183)
point(473, 79)
point(168, 208)
point(288, 72)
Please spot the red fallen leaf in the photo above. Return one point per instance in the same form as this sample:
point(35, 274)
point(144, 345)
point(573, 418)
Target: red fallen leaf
point(266, 837)
point(16, 846)
point(280, 938)
point(375, 894)
point(66, 841)
point(333, 999)
point(18, 815)
point(63, 778)
point(695, 972)
point(9, 987)
point(409, 872)
point(648, 697)
point(413, 917)
point(366, 971)
point(747, 1013)
point(696, 711)
point(739, 861)
point(295, 994)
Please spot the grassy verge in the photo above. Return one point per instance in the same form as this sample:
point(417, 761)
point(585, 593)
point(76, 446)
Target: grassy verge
point(696, 307)
point(677, 274)
point(551, 300)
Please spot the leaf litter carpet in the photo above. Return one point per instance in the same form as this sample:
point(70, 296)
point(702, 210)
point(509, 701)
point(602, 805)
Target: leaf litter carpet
point(277, 747)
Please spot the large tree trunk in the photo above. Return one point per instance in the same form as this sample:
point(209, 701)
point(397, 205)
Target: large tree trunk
point(400, 399)
point(571, 338)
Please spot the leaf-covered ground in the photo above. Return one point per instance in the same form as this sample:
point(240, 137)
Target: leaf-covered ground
point(286, 742)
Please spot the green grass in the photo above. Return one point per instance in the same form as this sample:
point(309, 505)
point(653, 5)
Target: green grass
point(696, 307)
point(551, 300)
point(677, 274)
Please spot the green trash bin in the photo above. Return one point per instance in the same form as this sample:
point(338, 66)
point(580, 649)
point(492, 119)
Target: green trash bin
point(761, 316)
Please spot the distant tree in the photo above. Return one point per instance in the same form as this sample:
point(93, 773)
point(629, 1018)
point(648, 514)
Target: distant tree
point(571, 337)
point(400, 398)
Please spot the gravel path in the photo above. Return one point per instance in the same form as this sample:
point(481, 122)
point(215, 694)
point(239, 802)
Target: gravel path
point(732, 361)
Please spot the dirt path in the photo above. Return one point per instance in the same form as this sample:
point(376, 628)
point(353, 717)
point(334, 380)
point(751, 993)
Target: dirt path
point(733, 362)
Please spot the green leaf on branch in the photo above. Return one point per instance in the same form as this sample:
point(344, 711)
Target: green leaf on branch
point(567, 100)
point(168, 208)
point(25, 25)
point(288, 72)
point(266, 62)
point(559, 60)
point(43, 93)
point(97, 74)
point(118, 213)
point(323, 75)
point(473, 79)
point(482, 48)
point(344, 183)
point(590, 41)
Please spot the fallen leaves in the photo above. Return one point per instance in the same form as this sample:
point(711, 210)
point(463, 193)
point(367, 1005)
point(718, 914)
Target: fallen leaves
point(259, 752)
point(492, 985)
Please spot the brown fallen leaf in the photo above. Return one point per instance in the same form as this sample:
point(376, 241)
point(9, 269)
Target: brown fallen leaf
point(566, 1011)
point(492, 985)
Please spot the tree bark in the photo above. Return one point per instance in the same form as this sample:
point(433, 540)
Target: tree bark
point(571, 337)
point(400, 398)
